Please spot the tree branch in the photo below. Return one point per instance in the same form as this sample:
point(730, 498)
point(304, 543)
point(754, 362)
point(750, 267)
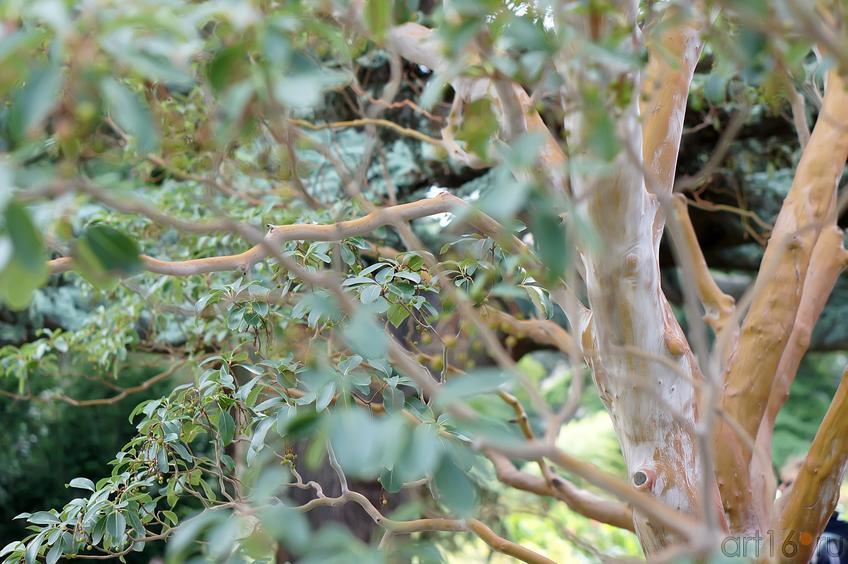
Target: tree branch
point(475, 526)
point(578, 500)
point(811, 500)
point(362, 122)
point(542, 331)
point(777, 293)
point(643, 502)
point(279, 234)
point(672, 58)
point(124, 393)
point(719, 306)
point(629, 310)
point(827, 262)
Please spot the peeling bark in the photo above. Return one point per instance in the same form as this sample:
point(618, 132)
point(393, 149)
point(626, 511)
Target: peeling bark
point(629, 311)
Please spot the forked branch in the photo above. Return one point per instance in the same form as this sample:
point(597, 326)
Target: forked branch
point(776, 296)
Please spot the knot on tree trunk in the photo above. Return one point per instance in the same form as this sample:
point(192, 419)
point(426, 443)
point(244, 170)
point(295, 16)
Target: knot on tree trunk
point(644, 478)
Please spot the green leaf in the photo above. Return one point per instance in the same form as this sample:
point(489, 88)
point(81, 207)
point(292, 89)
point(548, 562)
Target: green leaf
point(454, 488)
point(220, 539)
point(325, 396)
point(13, 546)
point(226, 427)
point(227, 67)
point(287, 525)
point(31, 555)
point(116, 527)
point(170, 516)
point(103, 251)
point(365, 336)
point(34, 102)
point(550, 237)
point(26, 240)
point(411, 276)
point(301, 423)
point(414, 261)
point(364, 444)
point(132, 114)
point(189, 531)
point(26, 270)
point(55, 552)
point(397, 314)
point(422, 454)
point(715, 88)
point(257, 442)
point(390, 480)
point(601, 138)
point(162, 459)
point(475, 383)
point(284, 415)
point(44, 518)
point(82, 483)
point(370, 293)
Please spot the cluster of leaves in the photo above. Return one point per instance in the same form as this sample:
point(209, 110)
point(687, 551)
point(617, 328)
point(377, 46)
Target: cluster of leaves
point(181, 451)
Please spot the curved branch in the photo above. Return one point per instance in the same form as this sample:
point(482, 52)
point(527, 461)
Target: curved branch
point(777, 292)
point(542, 331)
point(475, 526)
point(718, 305)
point(123, 394)
point(279, 234)
point(362, 122)
point(505, 546)
point(578, 500)
point(811, 500)
point(642, 502)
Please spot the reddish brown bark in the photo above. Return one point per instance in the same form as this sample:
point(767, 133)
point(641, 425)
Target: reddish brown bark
point(777, 292)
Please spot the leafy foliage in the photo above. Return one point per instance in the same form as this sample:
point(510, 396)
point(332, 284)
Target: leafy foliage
point(141, 135)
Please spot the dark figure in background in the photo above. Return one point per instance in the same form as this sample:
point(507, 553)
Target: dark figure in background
point(832, 547)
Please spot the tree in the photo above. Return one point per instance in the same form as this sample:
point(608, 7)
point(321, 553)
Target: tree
point(179, 128)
